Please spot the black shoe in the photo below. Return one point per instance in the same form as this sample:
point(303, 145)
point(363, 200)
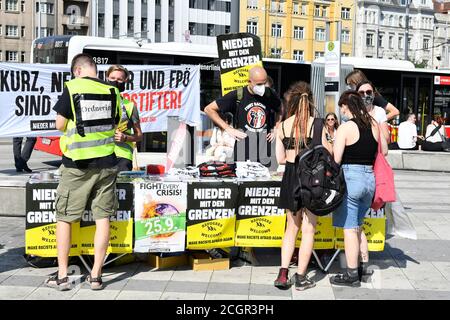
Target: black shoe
point(364, 274)
point(26, 169)
point(302, 282)
point(343, 279)
point(282, 282)
point(19, 170)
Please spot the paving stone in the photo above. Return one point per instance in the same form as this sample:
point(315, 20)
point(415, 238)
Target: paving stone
point(186, 286)
point(145, 272)
point(443, 267)
point(234, 275)
point(139, 295)
point(269, 298)
point(24, 281)
point(388, 294)
point(215, 296)
point(15, 292)
point(316, 293)
point(268, 290)
point(443, 285)
point(182, 296)
point(344, 293)
point(88, 294)
point(145, 285)
point(190, 275)
point(228, 288)
point(433, 295)
point(44, 293)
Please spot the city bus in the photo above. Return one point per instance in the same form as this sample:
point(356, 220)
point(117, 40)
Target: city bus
point(423, 92)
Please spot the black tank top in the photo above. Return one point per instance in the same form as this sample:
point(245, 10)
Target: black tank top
point(362, 151)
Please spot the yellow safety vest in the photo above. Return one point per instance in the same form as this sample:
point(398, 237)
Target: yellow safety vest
point(125, 149)
point(91, 132)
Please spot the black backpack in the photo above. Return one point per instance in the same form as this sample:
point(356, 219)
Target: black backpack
point(321, 180)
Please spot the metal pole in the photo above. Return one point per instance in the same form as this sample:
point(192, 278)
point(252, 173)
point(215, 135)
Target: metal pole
point(407, 29)
point(39, 20)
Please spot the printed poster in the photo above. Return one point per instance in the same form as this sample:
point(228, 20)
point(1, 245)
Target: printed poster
point(160, 216)
point(238, 53)
point(260, 223)
point(324, 235)
point(121, 225)
point(374, 227)
point(40, 225)
point(212, 214)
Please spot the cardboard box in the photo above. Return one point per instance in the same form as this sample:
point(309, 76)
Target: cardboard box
point(167, 262)
point(202, 262)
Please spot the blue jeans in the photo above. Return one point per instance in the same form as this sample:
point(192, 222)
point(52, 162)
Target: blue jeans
point(358, 198)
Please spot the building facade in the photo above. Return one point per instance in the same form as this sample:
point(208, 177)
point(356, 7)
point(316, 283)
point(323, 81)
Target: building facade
point(197, 21)
point(441, 48)
point(383, 27)
point(297, 29)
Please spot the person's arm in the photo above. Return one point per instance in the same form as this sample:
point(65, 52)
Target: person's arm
point(280, 152)
point(392, 111)
point(212, 111)
point(61, 123)
point(137, 131)
point(384, 142)
point(385, 131)
point(339, 143)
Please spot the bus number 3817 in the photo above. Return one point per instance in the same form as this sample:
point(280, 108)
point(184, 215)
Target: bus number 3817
point(99, 60)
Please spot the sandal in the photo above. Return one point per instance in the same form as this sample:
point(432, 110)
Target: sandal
point(95, 283)
point(59, 284)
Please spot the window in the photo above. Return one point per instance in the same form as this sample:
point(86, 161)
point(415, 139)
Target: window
point(281, 6)
point(1, 29)
point(22, 6)
point(12, 56)
point(49, 8)
point(227, 6)
point(345, 36)
point(276, 30)
point(212, 5)
point(252, 27)
point(295, 8)
point(391, 42)
point(115, 21)
point(171, 3)
point(403, 2)
point(273, 6)
point(12, 31)
point(400, 42)
point(304, 6)
point(409, 43)
point(380, 40)
point(252, 4)
point(370, 40)
point(211, 30)
point(22, 32)
point(426, 43)
point(324, 11)
point(345, 13)
point(275, 52)
point(130, 23)
point(143, 24)
point(101, 20)
point(423, 2)
point(12, 5)
point(320, 34)
point(318, 54)
point(1, 7)
point(298, 55)
point(192, 28)
point(298, 33)
point(227, 29)
point(22, 56)
point(50, 32)
point(158, 25)
point(171, 26)
point(317, 11)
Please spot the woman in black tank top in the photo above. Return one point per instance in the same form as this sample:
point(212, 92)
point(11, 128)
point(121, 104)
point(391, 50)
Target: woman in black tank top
point(355, 149)
point(293, 137)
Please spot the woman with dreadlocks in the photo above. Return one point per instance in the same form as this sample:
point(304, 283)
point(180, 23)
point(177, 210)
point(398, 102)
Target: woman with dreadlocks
point(294, 136)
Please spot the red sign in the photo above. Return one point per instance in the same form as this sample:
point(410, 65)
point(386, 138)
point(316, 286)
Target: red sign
point(442, 80)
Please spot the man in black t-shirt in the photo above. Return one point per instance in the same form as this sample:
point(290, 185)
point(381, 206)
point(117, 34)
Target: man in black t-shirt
point(251, 113)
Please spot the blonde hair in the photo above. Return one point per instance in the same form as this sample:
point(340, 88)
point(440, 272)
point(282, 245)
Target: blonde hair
point(118, 67)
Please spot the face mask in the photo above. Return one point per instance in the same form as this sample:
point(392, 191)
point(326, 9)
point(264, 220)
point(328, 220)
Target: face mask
point(368, 100)
point(259, 90)
point(344, 118)
point(118, 85)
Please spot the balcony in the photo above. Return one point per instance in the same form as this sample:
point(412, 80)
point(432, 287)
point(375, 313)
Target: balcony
point(72, 20)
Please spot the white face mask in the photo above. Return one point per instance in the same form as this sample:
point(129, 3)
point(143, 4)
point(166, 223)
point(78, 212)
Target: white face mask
point(259, 89)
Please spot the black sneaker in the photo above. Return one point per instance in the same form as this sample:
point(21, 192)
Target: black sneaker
point(364, 274)
point(343, 279)
point(27, 169)
point(302, 282)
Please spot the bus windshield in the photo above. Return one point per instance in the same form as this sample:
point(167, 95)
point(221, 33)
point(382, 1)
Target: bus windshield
point(50, 50)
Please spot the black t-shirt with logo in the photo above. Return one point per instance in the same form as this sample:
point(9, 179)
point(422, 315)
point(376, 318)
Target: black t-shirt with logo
point(253, 115)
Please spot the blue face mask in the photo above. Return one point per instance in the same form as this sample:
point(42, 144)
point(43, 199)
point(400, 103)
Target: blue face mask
point(344, 118)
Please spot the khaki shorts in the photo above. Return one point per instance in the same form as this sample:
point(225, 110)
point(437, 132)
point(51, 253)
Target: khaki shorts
point(80, 187)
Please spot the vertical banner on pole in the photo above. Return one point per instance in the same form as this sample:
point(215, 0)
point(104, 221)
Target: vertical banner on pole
point(238, 53)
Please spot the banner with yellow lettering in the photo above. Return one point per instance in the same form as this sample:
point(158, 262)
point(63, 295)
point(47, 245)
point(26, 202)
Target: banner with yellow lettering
point(375, 229)
point(238, 53)
point(259, 221)
point(211, 215)
point(40, 226)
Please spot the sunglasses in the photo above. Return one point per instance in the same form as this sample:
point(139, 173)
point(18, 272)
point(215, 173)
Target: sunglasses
point(331, 119)
point(367, 92)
